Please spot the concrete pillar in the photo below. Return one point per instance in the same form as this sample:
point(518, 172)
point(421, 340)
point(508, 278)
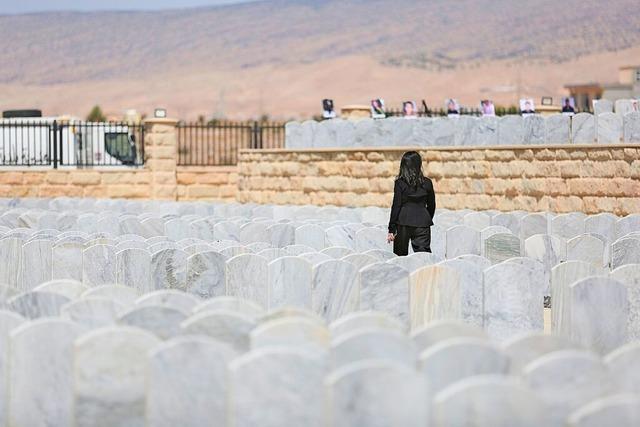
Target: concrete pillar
point(160, 152)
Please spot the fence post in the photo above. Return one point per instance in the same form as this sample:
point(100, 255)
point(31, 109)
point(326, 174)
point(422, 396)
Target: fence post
point(160, 151)
point(55, 144)
point(256, 136)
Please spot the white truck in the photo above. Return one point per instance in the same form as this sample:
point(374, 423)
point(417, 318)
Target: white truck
point(64, 142)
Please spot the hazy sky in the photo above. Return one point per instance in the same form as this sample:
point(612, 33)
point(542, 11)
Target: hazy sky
point(25, 6)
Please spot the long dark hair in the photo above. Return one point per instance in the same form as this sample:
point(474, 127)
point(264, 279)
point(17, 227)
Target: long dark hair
point(411, 169)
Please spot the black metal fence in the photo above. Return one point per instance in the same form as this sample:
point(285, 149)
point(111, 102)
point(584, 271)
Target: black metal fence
point(218, 143)
point(35, 142)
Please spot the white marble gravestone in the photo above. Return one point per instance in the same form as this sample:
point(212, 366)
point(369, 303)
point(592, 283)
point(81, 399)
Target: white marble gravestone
point(364, 320)
point(562, 277)
point(372, 238)
point(168, 269)
point(9, 321)
point(466, 302)
point(557, 129)
point(524, 349)
point(631, 127)
point(276, 387)
point(583, 128)
point(11, 253)
point(623, 364)
point(513, 302)
point(488, 401)
point(377, 393)
point(299, 333)
point(501, 247)
point(629, 276)
point(99, 265)
point(587, 248)
point(35, 304)
point(625, 251)
point(121, 294)
point(457, 358)
point(187, 383)
point(565, 380)
point(164, 322)
point(233, 304)
point(133, 269)
point(66, 261)
point(109, 377)
point(379, 344)
point(227, 327)
point(179, 300)
point(35, 262)
point(568, 226)
point(335, 289)
point(206, 272)
point(592, 300)
point(92, 312)
point(609, 128)
point(44, 348)
point(534, 131)
point(462, 240)
point(245, 278)
point(289, 282)
point(622, 410)
point(281, 235)
point(532, 224)
point(385, 287)
point(311, 235)
point(434, 291)
point(510, 130)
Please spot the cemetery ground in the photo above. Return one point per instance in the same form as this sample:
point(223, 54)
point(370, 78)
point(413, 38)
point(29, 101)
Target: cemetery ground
point(157, 313)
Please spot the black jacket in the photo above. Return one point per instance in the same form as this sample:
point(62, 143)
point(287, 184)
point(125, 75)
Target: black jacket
point(412, 206)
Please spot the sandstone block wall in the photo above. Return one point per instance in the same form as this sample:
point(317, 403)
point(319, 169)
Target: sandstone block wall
point(560, 178)
point(207, 183)
point(127, 184)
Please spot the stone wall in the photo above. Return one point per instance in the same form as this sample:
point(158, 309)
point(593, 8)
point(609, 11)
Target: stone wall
point(115, 183)
point(560, 178)
point(207, 183)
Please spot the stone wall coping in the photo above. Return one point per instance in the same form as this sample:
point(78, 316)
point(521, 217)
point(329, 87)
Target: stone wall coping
point(207, 169)
point(69, 169)
point(160, 121)
point(438, 148)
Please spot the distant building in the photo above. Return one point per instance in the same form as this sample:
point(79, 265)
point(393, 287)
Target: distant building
point(627, 87)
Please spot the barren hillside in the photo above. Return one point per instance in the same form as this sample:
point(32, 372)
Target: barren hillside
point(68, 61)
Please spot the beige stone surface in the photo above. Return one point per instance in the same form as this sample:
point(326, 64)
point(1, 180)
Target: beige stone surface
point(561, 178)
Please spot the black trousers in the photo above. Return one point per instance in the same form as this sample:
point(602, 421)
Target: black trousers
point(420, 238)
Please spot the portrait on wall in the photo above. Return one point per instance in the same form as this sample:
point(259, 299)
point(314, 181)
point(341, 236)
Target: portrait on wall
point(377, 109)
point(409, 109)
point(568, 106)
point(527, 106)
point(487, 108)
point(328, 111)
point(452, 107)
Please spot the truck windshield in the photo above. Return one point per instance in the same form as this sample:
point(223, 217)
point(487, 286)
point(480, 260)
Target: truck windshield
point(119, 146)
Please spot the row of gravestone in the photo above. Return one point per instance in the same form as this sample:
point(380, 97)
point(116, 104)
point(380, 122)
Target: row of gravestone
point(573, 223)
point(505, 299)
point(165, 359)
point(149, 223)
point(582, 128)
point(359, 237)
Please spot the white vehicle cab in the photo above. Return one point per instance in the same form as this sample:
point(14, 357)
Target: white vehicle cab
point(67, 142)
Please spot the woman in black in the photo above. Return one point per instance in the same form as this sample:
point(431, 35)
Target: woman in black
point(414, 203)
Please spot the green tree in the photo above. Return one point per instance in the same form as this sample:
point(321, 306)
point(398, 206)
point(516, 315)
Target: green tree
point(96, 115)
